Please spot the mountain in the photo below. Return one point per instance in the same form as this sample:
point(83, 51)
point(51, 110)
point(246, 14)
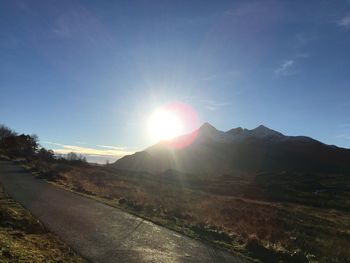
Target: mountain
point(212, 151)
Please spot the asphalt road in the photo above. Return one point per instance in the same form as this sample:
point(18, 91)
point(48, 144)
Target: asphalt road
point(101, 233)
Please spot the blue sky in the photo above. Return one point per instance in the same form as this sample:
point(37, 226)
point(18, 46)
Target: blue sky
point(85, 75)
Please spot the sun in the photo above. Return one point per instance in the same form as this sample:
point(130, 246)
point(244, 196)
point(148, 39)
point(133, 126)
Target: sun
point(164, 124)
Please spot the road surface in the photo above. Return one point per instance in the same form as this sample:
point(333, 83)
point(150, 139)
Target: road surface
point(101, 233)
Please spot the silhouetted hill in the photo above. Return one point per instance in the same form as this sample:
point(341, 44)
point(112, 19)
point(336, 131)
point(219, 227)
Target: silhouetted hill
point(218, 152)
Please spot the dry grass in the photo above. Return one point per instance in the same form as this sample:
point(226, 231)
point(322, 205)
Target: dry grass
point(243, 217)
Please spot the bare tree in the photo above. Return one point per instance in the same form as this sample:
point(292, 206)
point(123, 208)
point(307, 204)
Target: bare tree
point(72, 156)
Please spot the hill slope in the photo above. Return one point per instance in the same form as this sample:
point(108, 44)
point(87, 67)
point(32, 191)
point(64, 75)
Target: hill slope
point(218, 152)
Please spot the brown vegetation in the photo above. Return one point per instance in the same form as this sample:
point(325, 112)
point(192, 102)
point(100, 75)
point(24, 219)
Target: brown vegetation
point(270, 216)
point(245, 219)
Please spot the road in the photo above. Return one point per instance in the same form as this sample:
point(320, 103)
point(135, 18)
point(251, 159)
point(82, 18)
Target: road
point(101, 233)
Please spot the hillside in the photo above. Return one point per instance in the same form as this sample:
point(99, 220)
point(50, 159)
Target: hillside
point(236, 150)
point(290, 205)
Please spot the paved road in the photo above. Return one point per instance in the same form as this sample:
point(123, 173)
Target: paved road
point(101, 233)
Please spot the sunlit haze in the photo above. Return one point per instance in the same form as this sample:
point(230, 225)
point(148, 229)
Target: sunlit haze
point(164, 125)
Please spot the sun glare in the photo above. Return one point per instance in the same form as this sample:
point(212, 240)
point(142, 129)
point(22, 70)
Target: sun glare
point(164, 125)
point(172, 120)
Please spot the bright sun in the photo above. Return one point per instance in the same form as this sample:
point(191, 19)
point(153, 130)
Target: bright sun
point(164, 124)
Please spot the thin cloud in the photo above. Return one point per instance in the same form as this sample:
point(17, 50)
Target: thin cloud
point(212, 108)
point(78, 23)
point(53, 143)
point(214, 105)
point(344, 125)
point(112, 147)
point(208, 104)
point(302, 55)
point(343, 136)
point(285, 68)
point(288, 67)
point(89, 151)
point(344, 22)
point(302, 40)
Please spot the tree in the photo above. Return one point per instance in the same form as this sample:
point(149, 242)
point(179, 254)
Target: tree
point(45, 154)
point(73, 157)
point(5, 132)
point(22, 145)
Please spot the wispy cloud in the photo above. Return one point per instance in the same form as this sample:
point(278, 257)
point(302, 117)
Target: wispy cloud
point(76, 22)
point(285, 68)
point(112, 147)
point(344, 125)
point(302, 40)
point(342, 136)
point(208, 104)
point(288, 67)
point(81, 25)
point(302, 55)
point(52, 143)
point(89, 151)
point(214, 105)
point(344, 22)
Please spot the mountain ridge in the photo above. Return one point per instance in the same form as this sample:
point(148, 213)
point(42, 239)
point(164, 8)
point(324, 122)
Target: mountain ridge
point(212, 151)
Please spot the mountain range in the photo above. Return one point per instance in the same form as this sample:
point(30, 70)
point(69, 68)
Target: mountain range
point(216, 152)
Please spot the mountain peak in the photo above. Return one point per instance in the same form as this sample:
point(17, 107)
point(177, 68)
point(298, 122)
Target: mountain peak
point(236, 131)
point(207, 127)
point(212, 151)
point(264, 131)
point(261, 126)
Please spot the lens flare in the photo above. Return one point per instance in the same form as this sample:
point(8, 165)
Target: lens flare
point(164, 125)
point(171, 121)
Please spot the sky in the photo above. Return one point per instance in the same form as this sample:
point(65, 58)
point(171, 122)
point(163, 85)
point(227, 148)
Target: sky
point(85, 75)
